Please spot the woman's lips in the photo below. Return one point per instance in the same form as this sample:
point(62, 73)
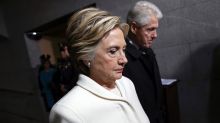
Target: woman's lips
point(119, 70)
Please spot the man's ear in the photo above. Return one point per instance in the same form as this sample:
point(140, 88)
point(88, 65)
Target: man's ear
point(133, 27)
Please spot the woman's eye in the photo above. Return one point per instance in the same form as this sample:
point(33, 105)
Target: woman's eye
point(112, 51)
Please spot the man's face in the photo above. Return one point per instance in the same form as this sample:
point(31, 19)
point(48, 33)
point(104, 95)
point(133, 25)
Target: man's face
point(146, 34)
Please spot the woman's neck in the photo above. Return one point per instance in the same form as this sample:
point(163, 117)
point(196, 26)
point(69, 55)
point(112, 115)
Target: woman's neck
point(108, 84)
point(109, 87)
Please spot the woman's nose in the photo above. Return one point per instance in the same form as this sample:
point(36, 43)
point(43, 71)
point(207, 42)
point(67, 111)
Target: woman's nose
point(123, 59)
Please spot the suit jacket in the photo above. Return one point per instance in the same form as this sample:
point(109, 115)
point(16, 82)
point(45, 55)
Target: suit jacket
point(88, 102)
point(143, 70)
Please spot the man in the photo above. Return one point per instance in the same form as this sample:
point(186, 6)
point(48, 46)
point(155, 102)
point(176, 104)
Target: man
point(142, 66)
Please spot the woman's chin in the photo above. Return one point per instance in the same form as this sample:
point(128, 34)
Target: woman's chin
point(118, 76)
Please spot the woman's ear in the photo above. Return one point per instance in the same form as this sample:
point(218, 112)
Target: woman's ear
point(87, 63)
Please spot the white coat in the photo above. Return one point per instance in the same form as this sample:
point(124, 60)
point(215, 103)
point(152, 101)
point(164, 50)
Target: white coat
point(88, 102)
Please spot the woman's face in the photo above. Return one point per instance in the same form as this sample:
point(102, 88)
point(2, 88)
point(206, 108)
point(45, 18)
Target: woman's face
point(108, 63)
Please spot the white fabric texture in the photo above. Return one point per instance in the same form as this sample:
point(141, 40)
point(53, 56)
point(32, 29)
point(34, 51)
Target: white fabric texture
point(88, 102)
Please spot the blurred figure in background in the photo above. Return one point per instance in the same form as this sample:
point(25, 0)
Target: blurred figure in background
point(142, 66)
point(46, 74)
point(66, 76)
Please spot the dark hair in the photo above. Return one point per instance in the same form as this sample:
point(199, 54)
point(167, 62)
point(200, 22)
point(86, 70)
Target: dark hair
point(45, 58)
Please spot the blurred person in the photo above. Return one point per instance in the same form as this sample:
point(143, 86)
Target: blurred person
point(142, 66)
point(66, 74)
point(46, 73)
point(102, 94)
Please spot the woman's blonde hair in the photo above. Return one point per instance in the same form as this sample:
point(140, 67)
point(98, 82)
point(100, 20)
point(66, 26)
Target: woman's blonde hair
point(84, 31)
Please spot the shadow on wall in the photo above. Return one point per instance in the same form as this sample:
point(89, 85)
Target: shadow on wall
point(3, 38)
point(214, 102)
point(198, 93)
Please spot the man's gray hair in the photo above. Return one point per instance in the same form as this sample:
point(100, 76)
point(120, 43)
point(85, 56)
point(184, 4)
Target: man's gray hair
point(142, 12)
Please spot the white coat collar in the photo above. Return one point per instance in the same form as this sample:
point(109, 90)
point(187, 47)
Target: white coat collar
point(90, 85)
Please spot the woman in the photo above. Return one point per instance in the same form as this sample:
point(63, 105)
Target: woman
point(102, 94)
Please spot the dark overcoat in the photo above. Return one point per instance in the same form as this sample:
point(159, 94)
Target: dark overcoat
point(143, 70)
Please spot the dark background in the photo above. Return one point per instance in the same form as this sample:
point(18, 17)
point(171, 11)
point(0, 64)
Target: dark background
point(188, 48)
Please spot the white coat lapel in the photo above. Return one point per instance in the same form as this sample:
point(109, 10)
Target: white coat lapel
point(90, 85)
